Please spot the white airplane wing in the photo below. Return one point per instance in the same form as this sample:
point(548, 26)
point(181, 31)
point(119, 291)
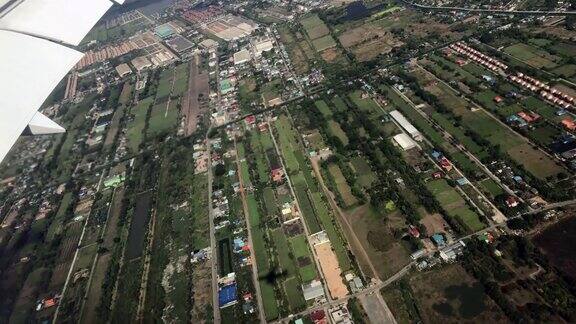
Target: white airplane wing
point(36, 41)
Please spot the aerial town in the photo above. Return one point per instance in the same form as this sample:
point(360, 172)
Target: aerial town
point(302, 161)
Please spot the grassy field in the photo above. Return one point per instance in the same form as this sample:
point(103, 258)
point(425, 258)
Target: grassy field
point(323, 108)
point(135, 129)
point(533, 56)
point(301, 191)
point(269, 300)
point(163, 119)
point(283, 252)
point(307, 269)
point(323, 43)
point(454, 204)
point(339, 104)
point(342, 186)
point(181, 79)
point(314, 26)
point(253, 210)
point(270, 201)
point(365, 174)
point(287, 142)
point(336, 130)
point(329, 226)
point(294, 295)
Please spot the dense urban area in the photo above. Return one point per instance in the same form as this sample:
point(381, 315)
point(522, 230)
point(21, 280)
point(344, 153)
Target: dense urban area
point(302, 161)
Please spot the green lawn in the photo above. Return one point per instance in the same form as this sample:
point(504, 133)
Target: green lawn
point(454, 204)
point(322, 106)
point(300, 249)
point(135, 128)
point(337, 131)
point(329, 225)
point(301, 191)
point(269, 300)
point(323, 43)
point(294, 294)
point(492, 187)
point(283, 252)
point(270, 201)
point(342, 186)
point(287, 142)
point(253, 210)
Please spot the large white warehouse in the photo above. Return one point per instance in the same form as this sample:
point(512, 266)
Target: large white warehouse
point(408, 127)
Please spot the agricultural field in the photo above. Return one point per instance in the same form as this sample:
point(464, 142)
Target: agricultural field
point(449, 294)
point(137, 123)
point(488, 127)
point(314, 27)
point(455, 205)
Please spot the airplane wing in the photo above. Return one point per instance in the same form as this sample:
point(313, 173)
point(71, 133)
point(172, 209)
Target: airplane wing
point(37, 40)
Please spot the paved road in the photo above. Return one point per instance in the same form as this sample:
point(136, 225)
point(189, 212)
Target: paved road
point(250, 243)
point(214, 258)
point(493, 11)
point(304, 224)
point(368, 290)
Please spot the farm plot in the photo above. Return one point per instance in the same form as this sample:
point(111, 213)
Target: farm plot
point(314, 26)
point(306, 267)
point(489, 128)
point(323, 43)
point(533, 56)
point(135, 128)
point(344, 190)
point(454, 204)
point(450, 295)
point(163, 118)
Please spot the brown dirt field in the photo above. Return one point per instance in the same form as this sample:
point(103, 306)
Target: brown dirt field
point(360, 34)
point(202, 279)
point(331, 270)
point(431, 289)
point(330, 55)
point(191, 106)
point(434, 223)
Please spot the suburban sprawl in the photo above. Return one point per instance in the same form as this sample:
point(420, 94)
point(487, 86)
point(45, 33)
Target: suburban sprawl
point(302, 161)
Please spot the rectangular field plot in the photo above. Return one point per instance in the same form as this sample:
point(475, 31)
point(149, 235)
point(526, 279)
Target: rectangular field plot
point(314, 26)
point(341, 185)
point(306, 266)
point(163, 119)
point(454, 204)
point(533, 56)
point(135, 127)
point(323, 43)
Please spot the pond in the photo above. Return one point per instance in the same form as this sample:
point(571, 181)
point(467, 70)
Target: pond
point(357, 10)
point(557, 243)
point(469, 300)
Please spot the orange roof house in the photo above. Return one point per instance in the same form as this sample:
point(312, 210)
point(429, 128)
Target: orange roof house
point(569, 124)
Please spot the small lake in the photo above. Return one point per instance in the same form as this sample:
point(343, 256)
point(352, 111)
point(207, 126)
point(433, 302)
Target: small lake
point(357, 10)
point(470, 299)
point(557, 243)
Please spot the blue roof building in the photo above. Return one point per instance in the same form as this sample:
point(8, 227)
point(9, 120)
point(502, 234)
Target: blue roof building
point(438, 239)
point(227, 295)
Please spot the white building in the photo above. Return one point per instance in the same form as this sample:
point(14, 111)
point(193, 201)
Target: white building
point(404, 141)
point(406, 125)
point(242, 56)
